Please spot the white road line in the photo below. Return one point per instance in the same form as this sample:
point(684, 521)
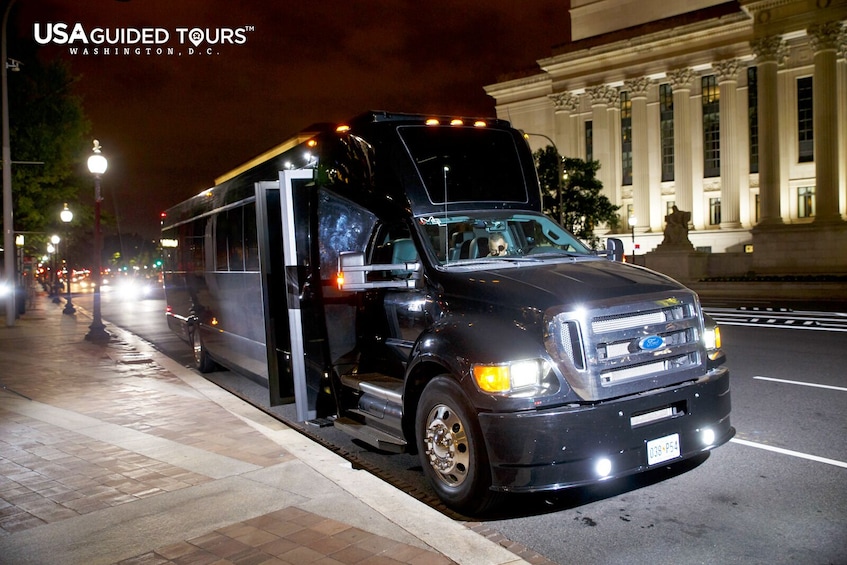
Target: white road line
point(830, 387)
point(760, 324)
point(789, 452)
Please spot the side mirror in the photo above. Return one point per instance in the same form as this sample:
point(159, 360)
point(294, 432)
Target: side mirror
point(614, 249)
point(352, 273)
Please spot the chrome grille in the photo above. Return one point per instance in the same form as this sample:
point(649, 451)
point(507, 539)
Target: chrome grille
point(600, 348)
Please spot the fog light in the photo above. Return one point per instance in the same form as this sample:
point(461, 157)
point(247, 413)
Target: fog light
point(603, 467)
point(708, 436)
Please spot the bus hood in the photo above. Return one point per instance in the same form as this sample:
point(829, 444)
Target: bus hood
point(555, 283)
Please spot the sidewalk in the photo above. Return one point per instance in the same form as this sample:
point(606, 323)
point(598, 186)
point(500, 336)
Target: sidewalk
point(117, 454)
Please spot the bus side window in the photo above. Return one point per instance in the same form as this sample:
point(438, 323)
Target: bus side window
point(251, 238)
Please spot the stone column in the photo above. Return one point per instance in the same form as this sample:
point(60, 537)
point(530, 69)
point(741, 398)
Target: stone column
point(769, 52)
point(680, 81)
point(727, 74)
point(604, 99)
point(637, 89)
point(825, 41)
point(566, 105)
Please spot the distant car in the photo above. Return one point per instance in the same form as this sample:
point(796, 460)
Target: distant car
point(131, 288)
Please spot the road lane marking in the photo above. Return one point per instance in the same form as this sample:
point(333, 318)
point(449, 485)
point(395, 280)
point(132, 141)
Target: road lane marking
point(782, 451)
point(830, 387)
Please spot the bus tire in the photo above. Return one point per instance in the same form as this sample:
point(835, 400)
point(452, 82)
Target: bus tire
point(202, 360)
point(451, 448)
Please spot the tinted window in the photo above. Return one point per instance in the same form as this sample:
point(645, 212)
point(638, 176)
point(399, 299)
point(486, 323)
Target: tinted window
point(465, 164)
point(342, 226)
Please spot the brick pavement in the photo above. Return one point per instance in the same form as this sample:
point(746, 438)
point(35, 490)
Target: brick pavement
point(108, 456)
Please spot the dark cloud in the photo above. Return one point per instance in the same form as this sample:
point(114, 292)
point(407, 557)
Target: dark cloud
point(171, 124)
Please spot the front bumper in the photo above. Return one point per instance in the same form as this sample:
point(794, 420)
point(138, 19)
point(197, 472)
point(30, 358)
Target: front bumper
point(560, 447)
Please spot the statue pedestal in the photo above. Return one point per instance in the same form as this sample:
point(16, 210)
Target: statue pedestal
point(679, 262)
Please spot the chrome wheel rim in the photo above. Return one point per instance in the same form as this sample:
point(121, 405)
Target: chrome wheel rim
point(446, 443)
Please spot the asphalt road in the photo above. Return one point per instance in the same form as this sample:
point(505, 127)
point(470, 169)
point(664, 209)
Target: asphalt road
point(775, 494)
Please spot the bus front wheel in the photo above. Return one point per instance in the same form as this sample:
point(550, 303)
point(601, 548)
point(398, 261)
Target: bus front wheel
point(451, 448)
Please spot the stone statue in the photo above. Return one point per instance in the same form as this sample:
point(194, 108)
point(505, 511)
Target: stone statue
point(676, 228)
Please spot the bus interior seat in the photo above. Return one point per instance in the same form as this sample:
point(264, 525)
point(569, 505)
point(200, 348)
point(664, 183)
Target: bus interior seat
point(402, 251)
point(459, 239)
point(479, 247)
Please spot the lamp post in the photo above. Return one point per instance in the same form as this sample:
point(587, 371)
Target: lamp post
point(51, 257)
point(632, 221)
point(560, 170)
point(53, 248)
point(8, 217)
point(97, 166)
point(66, 216)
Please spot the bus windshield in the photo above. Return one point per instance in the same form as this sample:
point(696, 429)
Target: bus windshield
point(472, 238)
point(465, 164)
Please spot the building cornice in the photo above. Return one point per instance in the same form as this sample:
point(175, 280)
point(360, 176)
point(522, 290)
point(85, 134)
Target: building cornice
point(728, 36)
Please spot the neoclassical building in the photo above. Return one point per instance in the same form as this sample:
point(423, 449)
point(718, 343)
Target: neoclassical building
point(733, 111)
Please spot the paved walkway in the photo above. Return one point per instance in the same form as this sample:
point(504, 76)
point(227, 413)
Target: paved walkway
point(117, 454)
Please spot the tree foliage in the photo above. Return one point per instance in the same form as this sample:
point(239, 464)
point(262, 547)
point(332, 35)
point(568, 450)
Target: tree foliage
point(582, 206)
point(46, 125)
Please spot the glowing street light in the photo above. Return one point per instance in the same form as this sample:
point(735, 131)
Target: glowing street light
point(97, 165)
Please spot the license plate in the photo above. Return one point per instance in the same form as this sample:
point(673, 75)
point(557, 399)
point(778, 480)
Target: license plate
point(662, 449)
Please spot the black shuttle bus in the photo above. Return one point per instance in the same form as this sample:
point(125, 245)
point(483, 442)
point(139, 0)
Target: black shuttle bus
point(396, 275)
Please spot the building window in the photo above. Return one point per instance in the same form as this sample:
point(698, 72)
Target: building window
point(589, 141)
point(714, 211)
point(806, 202)
point(805, 125)
point(666, 130)
point(711, 127)
point(626, 138)
point(753, 117)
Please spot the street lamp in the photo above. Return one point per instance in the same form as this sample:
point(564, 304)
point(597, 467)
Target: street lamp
point(8, 217)
point(66, 215)
point(632, 221)
point(53, 247)
point(562, 175)
point(97, 166)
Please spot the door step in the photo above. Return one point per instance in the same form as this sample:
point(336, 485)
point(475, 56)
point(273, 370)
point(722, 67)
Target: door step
point(371, 435)
point(376, 384)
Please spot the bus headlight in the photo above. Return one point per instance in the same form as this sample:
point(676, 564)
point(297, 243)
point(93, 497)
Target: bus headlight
point(712, 337)
point(516, 378)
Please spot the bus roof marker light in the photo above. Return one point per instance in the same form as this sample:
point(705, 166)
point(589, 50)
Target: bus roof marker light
point(343, 128)
point(432, 122)
point(456, 122)
point(479, 124)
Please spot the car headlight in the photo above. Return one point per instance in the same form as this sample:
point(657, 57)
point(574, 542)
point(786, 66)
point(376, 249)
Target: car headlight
point(515, 378)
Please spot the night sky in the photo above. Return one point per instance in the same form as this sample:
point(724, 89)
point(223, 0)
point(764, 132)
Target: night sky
point(170, 123)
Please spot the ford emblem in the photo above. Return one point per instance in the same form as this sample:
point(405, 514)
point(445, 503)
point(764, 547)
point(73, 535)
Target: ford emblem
point(651, 343)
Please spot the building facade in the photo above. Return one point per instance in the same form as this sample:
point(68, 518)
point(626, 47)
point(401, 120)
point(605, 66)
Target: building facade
point(733, 111)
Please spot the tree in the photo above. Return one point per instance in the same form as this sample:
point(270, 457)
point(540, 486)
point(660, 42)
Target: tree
point(46, 125)
point(573, 183)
